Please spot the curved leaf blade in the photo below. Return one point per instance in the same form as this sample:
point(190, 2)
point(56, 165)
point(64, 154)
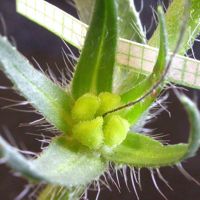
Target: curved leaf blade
point(142, 151)
point(48, 98)
point(194, 119)
point(137, 111)
point(60, 164)
point(94, 71)
point(140, 111)
point(143, 87)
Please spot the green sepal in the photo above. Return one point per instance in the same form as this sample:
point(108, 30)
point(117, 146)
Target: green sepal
point(108, 101)
point(144, 86)
point(85, 107)
point(67, 163)
point(142, 151)
point(48, 98)
point(115, 130)
point(174, 16)
point(89, 133)
point(137, 113)
point(63, 163)
point(94, 71)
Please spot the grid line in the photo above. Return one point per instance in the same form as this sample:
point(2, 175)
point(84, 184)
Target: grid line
point(132, 55)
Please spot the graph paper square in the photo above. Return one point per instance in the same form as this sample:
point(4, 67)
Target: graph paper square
point(124, 47)
point(136, 51)
point(135, 62)
point(175, 74)
point(150, 55)
point(68, 22)
point(58, 15)
point(49, 10)
point(57, 27)
point(123, 58)
point(189, 78)
point(178, 63)
point(191, 66)
point(67, 32)
point(40, 6)
point(147, 65)
point(48, 21)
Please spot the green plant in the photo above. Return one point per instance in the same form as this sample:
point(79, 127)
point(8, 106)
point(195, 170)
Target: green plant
point(94, 122)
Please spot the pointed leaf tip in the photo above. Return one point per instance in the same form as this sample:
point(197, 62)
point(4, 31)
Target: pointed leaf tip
point(174, 16)
point(194, 120)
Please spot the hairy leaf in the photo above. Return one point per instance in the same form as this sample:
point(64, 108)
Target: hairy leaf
point(174, 16)
point(48, 98)
point(139, 112)
point(63, 163)
point(18, 162)
point(143, 151)
point(66, 163)
point(134, 113)
point(94, 71)
point(159, 68)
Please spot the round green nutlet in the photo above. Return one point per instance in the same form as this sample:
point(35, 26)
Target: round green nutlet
point(109, 101)
point(89, 133)
point(85, 107)
point(115, 130)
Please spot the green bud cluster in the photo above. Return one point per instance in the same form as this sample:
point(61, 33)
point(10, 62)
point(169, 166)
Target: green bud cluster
point(93, 130)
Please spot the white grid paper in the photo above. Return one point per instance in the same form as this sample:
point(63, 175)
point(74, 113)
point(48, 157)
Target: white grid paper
point(184, 71)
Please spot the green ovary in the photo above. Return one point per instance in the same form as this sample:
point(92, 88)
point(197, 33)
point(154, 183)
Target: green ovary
point(93, 130)
point(115, 130)
point(85, 107)
point(89, 133)
point(108, 101)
